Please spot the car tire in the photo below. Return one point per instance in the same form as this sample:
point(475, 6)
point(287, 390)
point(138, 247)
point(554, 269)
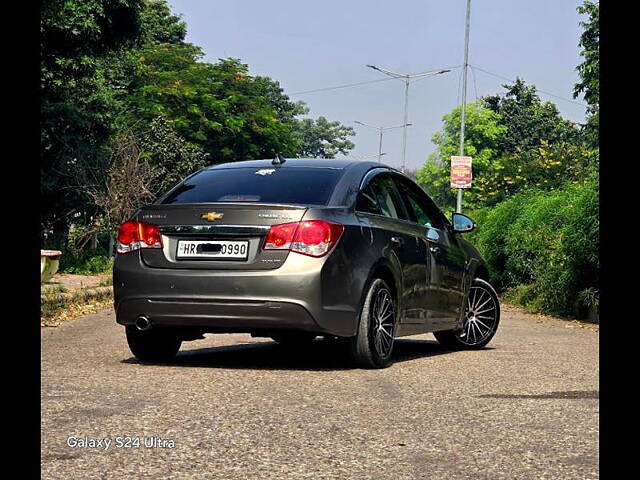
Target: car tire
point(483, 299)
point(294, 339)
point(370, 347)
point(153, 345)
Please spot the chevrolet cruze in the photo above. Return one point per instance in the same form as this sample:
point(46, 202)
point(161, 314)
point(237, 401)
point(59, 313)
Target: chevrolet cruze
point(294, 249)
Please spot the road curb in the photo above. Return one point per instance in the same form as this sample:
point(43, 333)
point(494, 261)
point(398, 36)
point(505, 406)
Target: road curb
point(53, 302)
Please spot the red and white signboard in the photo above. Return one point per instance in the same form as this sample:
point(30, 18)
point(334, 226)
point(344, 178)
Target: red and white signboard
point(461, 172)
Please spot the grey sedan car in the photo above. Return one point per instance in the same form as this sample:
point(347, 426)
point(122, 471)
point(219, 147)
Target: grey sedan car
point(295, 249)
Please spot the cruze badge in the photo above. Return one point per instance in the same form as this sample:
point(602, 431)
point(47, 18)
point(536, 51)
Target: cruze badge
point(265, 171)
point(211, 216)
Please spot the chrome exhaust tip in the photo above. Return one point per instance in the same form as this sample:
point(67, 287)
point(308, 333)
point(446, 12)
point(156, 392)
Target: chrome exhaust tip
point(143, 323)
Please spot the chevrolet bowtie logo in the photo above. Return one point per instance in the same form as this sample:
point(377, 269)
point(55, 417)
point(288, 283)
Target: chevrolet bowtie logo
point(211, 216)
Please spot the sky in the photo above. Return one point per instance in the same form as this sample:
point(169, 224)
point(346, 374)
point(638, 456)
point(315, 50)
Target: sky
point(313, 45)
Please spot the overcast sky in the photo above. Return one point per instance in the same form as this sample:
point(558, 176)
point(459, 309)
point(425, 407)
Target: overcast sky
point(311, 45)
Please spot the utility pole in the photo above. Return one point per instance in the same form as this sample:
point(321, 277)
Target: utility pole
point(464, 95)
point(381, 131)
point(406, 77)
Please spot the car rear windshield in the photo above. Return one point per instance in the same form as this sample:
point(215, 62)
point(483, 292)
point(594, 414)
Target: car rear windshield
point(293, 185)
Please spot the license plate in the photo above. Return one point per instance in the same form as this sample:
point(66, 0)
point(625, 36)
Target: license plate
point(218, 249)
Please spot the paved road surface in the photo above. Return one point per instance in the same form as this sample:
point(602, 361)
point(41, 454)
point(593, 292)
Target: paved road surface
point(238, 407)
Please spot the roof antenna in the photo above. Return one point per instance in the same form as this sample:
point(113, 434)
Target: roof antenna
point(279, 160)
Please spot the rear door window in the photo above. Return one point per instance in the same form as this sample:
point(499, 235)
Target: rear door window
point(293, 185)
point(387, 197)
point(421, 207)
point(367, 202)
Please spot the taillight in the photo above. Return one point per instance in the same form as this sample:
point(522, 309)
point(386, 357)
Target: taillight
point(311, 237)
point(280, 236)
point(134, 235)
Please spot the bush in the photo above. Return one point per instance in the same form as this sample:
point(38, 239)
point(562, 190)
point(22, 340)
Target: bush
point(86, 262)
point(492, 232)
point(543, 247)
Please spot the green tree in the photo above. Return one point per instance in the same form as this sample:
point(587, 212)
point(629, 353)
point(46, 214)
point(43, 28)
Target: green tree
point(527, 119)
point(286, 110)
point(322, 138)
point(539, 148)
point(217, 106)
point(229, 113)
point(547, 167)
point(168, 154)
point(78, 98)
point(516, 141)
point(483, 133)
point(159, 25)
point(117, 71)
point(589, 69)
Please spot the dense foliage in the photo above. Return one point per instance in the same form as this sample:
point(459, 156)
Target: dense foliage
point(535, 187)
point(542, 246)
point(483, 131)
point(322, 138)
point(119, 72)
point(79, 99)
point(516, 141)
point(589, 69)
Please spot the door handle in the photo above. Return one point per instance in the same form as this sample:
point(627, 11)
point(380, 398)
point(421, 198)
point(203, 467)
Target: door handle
point(397, 240)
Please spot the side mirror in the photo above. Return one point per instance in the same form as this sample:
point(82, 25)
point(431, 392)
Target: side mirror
point(462, 223)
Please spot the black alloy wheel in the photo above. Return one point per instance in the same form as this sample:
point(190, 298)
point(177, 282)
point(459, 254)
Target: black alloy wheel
point(373, 344)
point(481, 319)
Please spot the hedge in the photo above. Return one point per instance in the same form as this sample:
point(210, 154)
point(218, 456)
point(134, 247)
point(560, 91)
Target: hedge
point(542, 248)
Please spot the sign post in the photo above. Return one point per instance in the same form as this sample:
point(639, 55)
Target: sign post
point(464, 103)
point(461, 173)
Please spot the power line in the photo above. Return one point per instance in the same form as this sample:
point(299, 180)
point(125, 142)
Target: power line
point(342, 86)
point(406, 78)
point(475, 85)
point(541, 91)
point(359, 83)
point(474, 67)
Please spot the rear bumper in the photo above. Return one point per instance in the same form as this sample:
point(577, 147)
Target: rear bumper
point(217, 314)
point(286, 298)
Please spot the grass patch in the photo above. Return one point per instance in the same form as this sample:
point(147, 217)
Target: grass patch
point(85, 263)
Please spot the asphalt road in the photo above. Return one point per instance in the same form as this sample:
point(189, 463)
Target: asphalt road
point(239, 407)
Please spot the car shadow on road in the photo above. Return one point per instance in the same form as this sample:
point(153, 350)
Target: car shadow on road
point(319, 355)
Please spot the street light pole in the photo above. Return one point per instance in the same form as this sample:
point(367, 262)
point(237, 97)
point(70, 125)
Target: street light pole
point(463, 110)
point(381, 131)
point(406, 77)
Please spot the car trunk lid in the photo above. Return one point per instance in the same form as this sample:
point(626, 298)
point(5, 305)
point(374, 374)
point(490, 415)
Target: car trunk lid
point(217, 235)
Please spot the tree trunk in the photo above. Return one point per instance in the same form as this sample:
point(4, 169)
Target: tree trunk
point(111, 245)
